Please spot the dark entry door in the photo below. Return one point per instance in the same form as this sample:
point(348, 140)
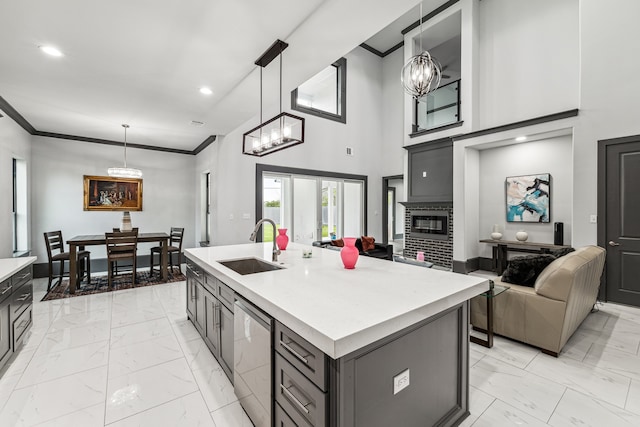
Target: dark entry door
point(622, 217)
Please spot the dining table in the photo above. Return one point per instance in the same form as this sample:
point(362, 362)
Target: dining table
point(79, 242)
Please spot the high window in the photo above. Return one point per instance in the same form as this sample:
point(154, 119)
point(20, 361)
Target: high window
point(325, 94)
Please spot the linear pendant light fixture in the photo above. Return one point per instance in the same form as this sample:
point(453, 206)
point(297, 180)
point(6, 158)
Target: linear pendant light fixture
point(284, 130)
point(125, 172)
point(421, 74)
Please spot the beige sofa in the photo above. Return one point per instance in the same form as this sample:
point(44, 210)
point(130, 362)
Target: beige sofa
point(548, 314)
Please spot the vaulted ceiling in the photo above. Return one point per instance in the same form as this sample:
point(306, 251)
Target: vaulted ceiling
point(143, 62)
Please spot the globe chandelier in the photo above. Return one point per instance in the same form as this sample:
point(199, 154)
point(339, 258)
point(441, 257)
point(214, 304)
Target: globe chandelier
point(421, 74)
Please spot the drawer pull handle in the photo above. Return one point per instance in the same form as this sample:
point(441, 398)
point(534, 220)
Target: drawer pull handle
point(24, 297)
point(6, 290)
point(295, 400)
point(295, 353)
point(24, 275)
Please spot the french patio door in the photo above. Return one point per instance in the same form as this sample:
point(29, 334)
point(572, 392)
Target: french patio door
point(313, 208)
point(305, 210)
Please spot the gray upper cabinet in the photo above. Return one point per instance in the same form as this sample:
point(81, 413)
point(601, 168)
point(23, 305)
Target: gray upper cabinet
point(431, 172)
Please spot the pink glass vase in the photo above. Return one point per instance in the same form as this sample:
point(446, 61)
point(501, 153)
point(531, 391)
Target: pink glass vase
point(349, 253)
point(282, 240)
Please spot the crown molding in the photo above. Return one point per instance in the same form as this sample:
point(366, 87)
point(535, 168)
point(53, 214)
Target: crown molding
point(20, 120)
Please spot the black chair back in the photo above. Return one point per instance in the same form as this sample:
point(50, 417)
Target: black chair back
point(175, 237)
point(122, 242)
point(54, 242)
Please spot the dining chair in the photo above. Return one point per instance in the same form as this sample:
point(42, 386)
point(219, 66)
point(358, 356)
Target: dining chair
point(175, 247)
point(121, 266)
point(56, 252)
point(121, 246)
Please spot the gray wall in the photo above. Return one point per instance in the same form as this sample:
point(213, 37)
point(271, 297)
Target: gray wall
point(547, 156)
point(324, 149)
point(14, 143)
point(57, 172)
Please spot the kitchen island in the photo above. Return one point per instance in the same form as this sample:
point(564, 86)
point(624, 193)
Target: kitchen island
point(383, 344)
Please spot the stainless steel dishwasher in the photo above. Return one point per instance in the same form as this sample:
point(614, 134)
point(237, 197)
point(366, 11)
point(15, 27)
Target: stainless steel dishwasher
point(252, 361)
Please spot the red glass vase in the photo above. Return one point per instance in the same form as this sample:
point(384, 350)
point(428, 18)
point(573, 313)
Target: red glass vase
point(349, 253)
point(282, 240)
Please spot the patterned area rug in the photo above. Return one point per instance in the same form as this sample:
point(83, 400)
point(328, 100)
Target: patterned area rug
point(100, 284)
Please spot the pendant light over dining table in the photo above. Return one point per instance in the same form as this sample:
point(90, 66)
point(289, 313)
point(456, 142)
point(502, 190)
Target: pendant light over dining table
point(125, 172)
point(282, 131)
point(421, 74)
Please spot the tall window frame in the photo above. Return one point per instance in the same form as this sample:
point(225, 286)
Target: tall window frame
point(205, 208)
point(20, 215)
point(15, 206)
point(341, 96)
point(319, 176)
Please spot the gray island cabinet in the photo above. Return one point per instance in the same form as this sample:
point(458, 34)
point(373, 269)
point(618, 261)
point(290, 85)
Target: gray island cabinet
point(16, 301)
point(381, 345)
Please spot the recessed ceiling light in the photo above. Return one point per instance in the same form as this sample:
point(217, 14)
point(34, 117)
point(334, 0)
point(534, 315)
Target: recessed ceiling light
point(205, 91)
point(50, 50)
point(521, 139)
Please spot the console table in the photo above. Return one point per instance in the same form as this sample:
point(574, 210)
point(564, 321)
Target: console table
point(502, 247)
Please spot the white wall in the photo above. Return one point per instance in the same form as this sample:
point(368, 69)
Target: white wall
point(324, 149)
point(393, 116)
point(529, 59)
point(551, 156)
point(609, 104)
point(15, 142)
point(169, 191)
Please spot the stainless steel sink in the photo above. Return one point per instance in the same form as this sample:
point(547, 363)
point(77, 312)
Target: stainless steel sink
point(249, 266)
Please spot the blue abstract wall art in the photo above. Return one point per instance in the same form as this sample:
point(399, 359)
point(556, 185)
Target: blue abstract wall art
point(528, 198)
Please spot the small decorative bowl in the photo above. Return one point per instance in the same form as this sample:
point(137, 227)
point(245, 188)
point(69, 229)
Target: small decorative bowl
point(496, 235)
point(307, 253)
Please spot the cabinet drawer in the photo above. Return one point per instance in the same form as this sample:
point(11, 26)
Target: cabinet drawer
point(284, 420)
point(225, 295)
point(305, 403)
point(302, 354)
point(21, 298)
point(21, 277)
point(5, 289)
point(20, 326)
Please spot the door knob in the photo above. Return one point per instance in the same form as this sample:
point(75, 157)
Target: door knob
point(612, 243)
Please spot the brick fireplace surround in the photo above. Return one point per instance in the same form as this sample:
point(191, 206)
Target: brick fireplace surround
point(439, 252)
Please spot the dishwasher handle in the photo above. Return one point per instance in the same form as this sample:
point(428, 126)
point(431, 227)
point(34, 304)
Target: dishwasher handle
point(254, 312)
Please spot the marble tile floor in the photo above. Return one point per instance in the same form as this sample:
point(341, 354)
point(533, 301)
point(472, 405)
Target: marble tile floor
point(131, 358)
point(127, 358)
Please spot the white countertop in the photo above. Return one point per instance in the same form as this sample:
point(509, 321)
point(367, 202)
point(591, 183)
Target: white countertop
point(339, 310)
point(10, 266)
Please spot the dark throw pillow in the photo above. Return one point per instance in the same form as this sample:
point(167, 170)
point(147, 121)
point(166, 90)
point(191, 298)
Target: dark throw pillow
point(337, 242)
point(368, 243)
point(561, 252)
point(525, 270)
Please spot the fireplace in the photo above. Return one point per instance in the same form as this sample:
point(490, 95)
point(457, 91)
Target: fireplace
point(428, 228)
point(429, 225)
